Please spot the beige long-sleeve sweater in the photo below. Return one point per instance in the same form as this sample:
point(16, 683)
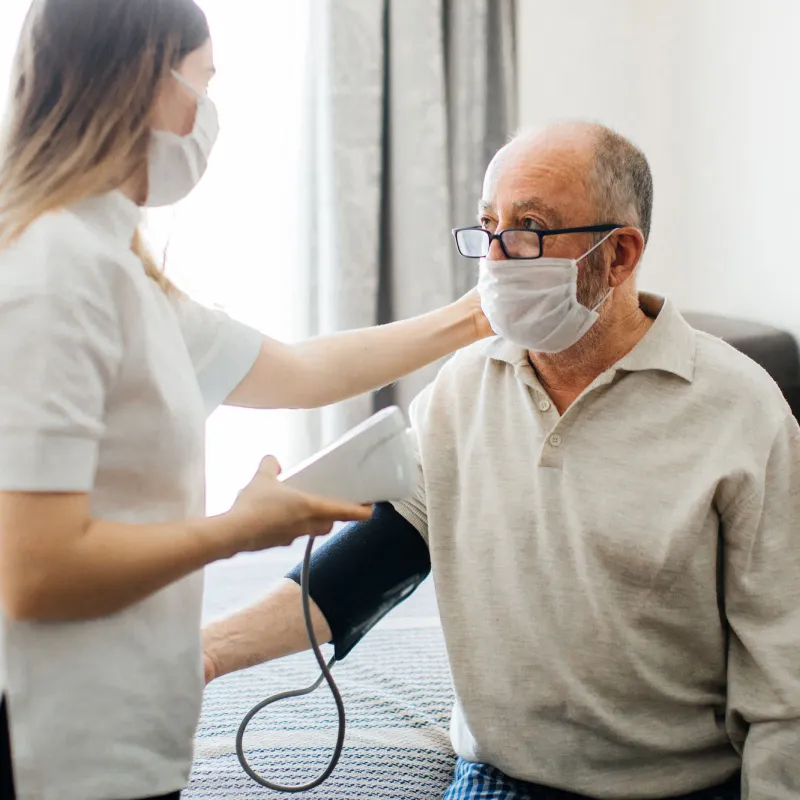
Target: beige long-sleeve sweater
point(619, 586)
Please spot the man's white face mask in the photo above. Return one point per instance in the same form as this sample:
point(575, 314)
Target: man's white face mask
point(177, 163)
point(533, 302)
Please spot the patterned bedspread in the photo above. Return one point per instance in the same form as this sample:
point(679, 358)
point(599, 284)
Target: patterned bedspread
point(397, 694)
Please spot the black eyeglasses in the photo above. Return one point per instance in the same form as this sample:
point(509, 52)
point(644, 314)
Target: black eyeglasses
point(515, 242)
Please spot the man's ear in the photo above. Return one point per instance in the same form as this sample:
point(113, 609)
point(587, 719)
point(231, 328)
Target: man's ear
point(628, 246)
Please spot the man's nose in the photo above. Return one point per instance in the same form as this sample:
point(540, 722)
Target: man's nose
point(495, 251)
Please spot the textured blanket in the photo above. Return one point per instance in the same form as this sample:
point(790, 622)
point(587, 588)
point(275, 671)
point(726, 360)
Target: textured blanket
point(397, 693)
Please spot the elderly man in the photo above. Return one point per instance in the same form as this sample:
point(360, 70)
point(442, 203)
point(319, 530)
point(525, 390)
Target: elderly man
point(610, 501)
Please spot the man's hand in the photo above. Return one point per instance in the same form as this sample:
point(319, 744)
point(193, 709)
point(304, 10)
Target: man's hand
point(209, 668)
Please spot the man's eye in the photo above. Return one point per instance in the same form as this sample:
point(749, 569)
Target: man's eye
point(531, 225)
point(487, 224)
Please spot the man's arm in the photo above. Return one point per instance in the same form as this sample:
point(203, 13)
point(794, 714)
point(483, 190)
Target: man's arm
point(356, 578)
point(270, 629)
point(762, 603)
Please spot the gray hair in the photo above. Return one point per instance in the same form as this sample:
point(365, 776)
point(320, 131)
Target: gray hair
point(620, 181)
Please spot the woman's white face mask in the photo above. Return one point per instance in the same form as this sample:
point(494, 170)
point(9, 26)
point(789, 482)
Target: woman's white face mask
point(533, 302)
point(177, 163)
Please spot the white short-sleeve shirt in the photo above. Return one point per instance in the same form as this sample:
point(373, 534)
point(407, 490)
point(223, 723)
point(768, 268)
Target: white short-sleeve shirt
point(105, 386)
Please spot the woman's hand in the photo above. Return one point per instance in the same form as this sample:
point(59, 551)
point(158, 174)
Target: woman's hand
point(270, 514)
point(59, 563)
point(470, 303)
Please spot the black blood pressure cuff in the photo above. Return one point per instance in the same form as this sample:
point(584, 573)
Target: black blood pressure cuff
point(364, 571)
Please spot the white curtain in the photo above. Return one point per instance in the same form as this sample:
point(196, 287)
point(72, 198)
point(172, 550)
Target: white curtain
point(408, 101)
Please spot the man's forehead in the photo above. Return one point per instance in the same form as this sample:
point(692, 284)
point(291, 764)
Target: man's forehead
point(529, 205)
point(538, 173)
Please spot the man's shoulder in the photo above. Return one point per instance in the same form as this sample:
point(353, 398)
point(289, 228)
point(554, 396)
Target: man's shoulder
point(464, 372)
point(722, 370)
point(471, 362)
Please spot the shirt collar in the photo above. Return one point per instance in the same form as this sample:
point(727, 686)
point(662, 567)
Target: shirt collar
point(114, 214)
point(669, 345)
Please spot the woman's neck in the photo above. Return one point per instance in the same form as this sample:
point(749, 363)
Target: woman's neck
point(136, 188)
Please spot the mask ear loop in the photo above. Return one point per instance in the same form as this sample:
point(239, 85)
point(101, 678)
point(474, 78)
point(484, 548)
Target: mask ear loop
point(204, 105)
point(178, 77)
point(588, 252)
point(593, 248)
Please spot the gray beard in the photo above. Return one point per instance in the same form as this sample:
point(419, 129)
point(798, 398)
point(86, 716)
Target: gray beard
point(591, 287)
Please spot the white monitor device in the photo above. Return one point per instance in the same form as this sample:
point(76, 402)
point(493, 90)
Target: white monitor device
point(372, 463)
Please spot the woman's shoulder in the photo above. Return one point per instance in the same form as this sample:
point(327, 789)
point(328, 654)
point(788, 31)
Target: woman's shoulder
point(59, 251)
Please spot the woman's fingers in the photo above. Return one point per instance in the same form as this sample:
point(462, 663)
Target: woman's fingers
point(337, 511)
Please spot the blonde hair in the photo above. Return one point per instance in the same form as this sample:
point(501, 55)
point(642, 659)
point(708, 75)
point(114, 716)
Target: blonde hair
point(86, 76)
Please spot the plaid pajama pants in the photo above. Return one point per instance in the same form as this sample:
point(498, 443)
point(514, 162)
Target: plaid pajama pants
point(482, 782)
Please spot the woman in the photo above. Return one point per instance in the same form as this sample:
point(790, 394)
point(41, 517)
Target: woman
point(108, 374)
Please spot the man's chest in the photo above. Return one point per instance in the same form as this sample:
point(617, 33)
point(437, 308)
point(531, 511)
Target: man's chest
point(606, 489)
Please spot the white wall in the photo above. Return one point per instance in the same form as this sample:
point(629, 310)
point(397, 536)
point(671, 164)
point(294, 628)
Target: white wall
point(710, 89)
